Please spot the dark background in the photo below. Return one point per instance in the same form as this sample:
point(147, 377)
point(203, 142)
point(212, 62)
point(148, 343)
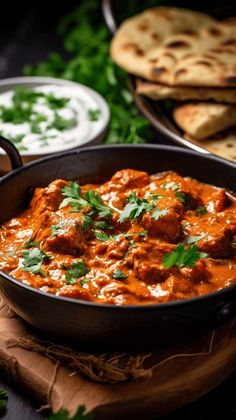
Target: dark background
point(27, 34)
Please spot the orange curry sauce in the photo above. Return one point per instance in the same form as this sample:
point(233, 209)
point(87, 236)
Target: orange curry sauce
point(108, 255)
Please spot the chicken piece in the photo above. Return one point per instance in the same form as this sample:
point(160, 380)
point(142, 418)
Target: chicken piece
point(167, 227)
point(179, 287)
point(68, 239)
point(216, 239)
point(198, 273)
point(128, 179)
point(48, 198)
point(219, 201)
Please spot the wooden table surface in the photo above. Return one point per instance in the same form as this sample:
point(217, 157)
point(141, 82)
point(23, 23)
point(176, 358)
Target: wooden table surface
point(218, 404)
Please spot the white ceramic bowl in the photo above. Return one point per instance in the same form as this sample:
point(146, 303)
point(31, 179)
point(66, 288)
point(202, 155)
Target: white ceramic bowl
point(91, 131)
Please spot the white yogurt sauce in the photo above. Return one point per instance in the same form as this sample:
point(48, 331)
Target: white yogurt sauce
point(81, 101)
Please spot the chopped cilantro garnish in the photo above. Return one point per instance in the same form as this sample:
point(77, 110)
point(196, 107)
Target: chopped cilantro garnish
point(60, 123)
point(71, 190)
point(135, 207)
point(96, 202)
point(102, 236)
point(77, 270)
point(201, 210)
point(183, 257)
point(86, 222)
point(103, 225)
point(33, 260)
point(159, 213)
point(119, 275)
point(29, 243)
point(54, 229)
point(193, 239)
point(94, 114)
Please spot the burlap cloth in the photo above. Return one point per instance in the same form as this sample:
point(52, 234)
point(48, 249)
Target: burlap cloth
point(61, 377)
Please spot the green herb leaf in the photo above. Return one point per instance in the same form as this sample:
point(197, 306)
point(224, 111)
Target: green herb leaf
point(119, 275)
point(55, 229)
point(29, 243)
point(170, 186)
point(97, 203)
point(102, 236)
point(103, 225)
point(94, 114)
point(183, 257)
point(77, 270)
point(33, 260)
point(201, 210)
point(72, 190)
point(193, 239)
point(135, 207)
point(159, 213)
point(86, 222)
point(56, 103)
point(64, 415)
point(181, 197)
point(3, 401)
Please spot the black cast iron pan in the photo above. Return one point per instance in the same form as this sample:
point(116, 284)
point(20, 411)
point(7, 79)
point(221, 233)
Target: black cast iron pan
point(100, 324)
point(155, 111)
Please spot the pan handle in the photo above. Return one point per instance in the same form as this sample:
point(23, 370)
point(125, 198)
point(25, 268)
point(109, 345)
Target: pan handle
point(108, 14)
point(12, 153)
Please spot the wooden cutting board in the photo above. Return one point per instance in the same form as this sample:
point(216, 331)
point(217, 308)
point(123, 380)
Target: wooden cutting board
point(177, 376)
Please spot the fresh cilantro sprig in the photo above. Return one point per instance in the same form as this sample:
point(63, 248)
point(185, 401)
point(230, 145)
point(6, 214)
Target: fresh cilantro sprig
point(3, 401)
point(78, 269)
point(96, 203)
point(119, 275)
point(183, 257)
point(33, 259)
point(136, 206)
point(64, 415)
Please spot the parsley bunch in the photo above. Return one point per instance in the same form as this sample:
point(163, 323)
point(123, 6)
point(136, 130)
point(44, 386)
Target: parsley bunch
point(86, 40)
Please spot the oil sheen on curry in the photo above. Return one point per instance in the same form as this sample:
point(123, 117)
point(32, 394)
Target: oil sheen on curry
point(135, 239)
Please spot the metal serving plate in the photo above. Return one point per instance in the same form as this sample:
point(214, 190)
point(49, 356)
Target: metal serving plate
point(155, 111)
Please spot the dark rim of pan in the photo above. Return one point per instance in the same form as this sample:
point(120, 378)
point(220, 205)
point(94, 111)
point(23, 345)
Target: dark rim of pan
point(102, 306)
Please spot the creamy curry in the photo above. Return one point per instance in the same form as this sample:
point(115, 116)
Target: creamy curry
point(135, 239)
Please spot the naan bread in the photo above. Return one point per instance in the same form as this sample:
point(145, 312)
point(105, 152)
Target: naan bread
point(160, 92)
point(201, 120)
point(223, 145)
point(177, 47)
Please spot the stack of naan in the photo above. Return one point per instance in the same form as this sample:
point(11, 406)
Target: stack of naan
point(189, 57)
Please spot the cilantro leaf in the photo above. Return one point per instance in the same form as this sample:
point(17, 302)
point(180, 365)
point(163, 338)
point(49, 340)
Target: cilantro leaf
point(94, 114)
point(54, 229)
point(183, 257)
point(64, 415)
point(102, 236)
point(119, 275)
point(103, 225)
point(159, 213)
point(33, 260)
point(135, 207)
point(170, 186)
point(71, 190)
point(181, 197)
point(96, 202)
point(30, 243)
point(193, 239)
point(3, 401)
point(86, 222)
point(201, 210)
point(77, 270)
